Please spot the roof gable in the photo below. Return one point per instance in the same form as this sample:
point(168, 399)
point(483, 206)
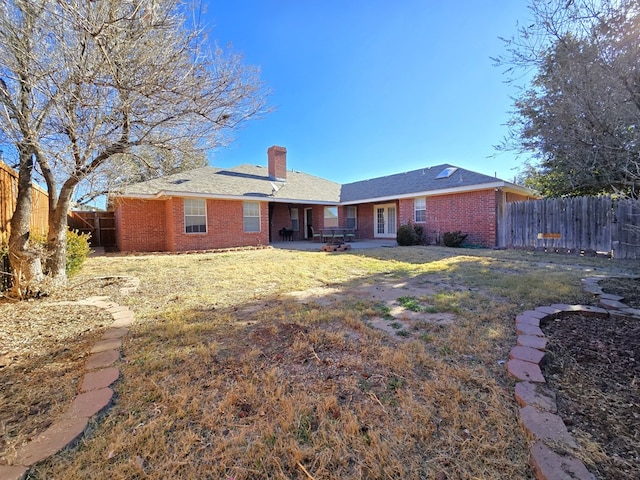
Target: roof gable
point(242, 181)
point(416, 182)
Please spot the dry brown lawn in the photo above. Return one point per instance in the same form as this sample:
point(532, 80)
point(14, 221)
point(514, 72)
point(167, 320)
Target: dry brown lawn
point(275, 364)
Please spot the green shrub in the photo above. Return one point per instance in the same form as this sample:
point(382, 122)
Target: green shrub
point(453, 239)
point(406, 235)
point(410, 234)
point(77, 251)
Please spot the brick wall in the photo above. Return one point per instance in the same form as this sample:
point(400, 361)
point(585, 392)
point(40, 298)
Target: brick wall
point(140, 225)
point(281, 218)
point(158, 225)
point(473, 213)
point(365, 221)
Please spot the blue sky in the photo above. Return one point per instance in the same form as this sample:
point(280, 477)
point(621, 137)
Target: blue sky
point(369, 88)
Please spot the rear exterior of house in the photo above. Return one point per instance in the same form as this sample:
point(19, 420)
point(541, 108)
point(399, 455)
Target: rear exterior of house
point(209, 208)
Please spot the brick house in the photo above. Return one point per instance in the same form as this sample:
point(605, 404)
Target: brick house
point(209, 208)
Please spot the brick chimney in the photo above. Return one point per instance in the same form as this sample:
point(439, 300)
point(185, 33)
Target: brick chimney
point(277, 163)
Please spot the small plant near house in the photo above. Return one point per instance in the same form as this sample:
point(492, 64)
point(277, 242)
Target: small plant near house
point(453, 239)
point(410, 234)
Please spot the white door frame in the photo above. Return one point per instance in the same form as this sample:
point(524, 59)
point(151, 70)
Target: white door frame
point(389, 221)
point(306, 227)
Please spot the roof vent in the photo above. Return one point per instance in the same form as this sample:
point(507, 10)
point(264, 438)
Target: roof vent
point(179, 181)
point(447, 172)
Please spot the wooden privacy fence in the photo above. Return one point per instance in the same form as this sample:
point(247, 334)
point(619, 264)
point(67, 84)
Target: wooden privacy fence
point(572, 225)
point(101, 226)
point(8, 195)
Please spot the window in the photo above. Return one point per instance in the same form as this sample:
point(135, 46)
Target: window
point(295, 223)
point(420, 209)
point(251, 212)
point(352, 217)
point(330, 217)
point(195, 215)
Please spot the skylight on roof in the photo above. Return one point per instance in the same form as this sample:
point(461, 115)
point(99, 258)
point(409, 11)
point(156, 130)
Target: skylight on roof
point(447, 172)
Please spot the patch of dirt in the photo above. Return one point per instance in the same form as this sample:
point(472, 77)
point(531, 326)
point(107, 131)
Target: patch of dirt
point(593, 365)
point(395, 319)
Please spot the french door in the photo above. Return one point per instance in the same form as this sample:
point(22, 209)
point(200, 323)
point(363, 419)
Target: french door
point(385, 221)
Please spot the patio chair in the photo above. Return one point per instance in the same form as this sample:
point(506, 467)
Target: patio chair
point(316, 235)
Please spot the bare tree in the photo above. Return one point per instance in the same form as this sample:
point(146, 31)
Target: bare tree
point(85, 85)
point(580, 113)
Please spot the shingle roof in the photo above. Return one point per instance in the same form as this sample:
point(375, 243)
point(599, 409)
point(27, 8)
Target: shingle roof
point(420, 181)
point(251, 181)
point(242, 181)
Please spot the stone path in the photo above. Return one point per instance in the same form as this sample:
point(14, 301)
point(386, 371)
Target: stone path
point(538, 409)
point(94, 397)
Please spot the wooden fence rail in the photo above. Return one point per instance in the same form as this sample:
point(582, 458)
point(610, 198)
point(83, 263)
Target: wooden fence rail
point(572, 225)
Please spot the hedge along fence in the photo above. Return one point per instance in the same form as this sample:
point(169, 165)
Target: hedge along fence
point(572, 225)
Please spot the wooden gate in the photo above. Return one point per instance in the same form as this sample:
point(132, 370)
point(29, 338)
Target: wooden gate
point(100, 225)
point(572, 225)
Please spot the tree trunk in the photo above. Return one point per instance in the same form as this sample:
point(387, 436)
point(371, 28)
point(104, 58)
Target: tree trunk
point(25, 262)
point(57, 237)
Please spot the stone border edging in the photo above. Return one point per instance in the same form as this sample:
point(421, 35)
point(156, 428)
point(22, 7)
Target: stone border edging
point(538, 409)
point(95, 390)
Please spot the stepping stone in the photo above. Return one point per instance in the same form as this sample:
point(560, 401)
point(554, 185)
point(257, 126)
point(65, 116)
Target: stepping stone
point(102, 359)
point(549, 311)
point(115, 333)
point(548, 465)
point(124, 322)
point(534, 313)
point(527, 319)
point(99, 379)
point(527, 354)
point(51, 441)
point(13, 472)
point(612, 304)
point(611, 296)
point(532, 341)
point(525, 329)
point(546, 426)
point(88, 404)
point(525, 371)
point(107, 344)
point(536, 395)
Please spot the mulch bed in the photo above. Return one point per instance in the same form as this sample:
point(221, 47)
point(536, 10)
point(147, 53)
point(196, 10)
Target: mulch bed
point(593, 364)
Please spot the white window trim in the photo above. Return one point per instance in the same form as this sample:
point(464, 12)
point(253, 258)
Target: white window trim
point(355, 216)
point(416, 210)
point(245, 216)
point(184, 207)
point(337, 217)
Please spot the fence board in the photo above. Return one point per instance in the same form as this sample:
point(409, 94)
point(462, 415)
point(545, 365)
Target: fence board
point(8, 195)
point(572, 225)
